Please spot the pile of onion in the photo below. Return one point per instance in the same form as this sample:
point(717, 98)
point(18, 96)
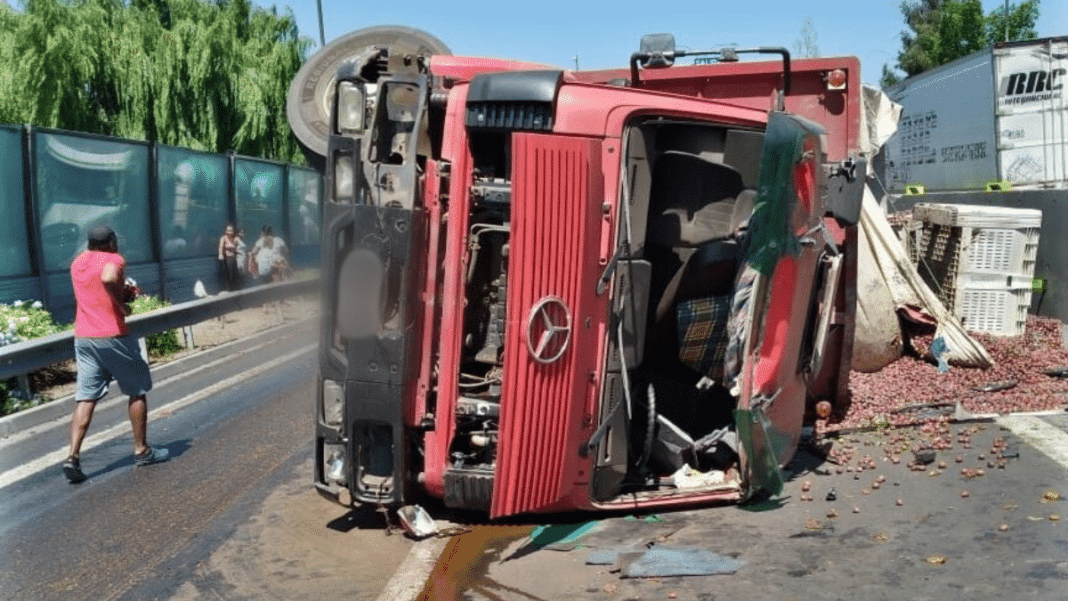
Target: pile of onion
point(911, 391)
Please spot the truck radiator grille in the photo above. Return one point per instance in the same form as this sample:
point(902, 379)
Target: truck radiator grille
point(510, 116)
point(554, 207)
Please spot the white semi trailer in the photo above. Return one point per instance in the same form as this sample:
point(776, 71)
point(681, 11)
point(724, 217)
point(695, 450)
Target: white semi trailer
point(996, 118)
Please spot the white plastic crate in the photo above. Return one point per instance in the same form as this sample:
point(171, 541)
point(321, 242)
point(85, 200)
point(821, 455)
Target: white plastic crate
point(977, 216)
point(986, 254)
point(993, 308)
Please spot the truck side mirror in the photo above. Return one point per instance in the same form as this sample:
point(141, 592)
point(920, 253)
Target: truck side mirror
point(657, 50)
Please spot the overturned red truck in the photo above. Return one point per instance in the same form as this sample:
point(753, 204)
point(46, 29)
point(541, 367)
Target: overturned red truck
point(548, 290)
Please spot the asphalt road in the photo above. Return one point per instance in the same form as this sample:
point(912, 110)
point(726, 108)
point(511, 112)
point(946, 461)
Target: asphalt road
point(233, 515)
point(889, 533)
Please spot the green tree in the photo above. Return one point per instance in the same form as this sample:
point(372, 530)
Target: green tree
point(210, 75)
point(1021, 22)
point(807, 46)
point(942, 31)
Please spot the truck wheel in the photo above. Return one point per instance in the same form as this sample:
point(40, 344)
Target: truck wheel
point(309, 103)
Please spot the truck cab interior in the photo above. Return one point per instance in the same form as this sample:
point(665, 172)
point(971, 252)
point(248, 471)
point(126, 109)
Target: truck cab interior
point(689, 190)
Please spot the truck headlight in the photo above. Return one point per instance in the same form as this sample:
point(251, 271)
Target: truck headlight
point(334, 463)
point(351, 108)
point(333, 403)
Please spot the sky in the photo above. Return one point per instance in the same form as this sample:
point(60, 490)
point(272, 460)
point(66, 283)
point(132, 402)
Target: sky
point(603, 34)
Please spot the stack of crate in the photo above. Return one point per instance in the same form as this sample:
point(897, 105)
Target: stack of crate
point(980, 261)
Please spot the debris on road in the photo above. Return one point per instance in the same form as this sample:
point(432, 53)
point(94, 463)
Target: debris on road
point(560, 537)
point(924, 456)
point(663, 561)
point(416, 522)
point(996, 386)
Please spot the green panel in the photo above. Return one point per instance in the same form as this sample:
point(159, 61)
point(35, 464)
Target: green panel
point(192, 202)
point(14, 249)
point(305, 194)
point(82, 182)
point(258, 195)
point(769, 227)
point(762, 444)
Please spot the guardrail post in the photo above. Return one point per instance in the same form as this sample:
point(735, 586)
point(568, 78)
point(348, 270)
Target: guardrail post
point(187, 332)
point(24, 386)
point(144, 348)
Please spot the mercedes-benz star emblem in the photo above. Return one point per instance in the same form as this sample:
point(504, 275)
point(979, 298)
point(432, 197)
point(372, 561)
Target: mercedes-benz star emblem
point(548, 329)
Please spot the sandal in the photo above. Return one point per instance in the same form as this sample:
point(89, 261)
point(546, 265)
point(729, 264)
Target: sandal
point(152, 455)
point(72, 469)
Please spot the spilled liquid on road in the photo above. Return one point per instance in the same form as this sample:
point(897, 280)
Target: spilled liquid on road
point(465, 562)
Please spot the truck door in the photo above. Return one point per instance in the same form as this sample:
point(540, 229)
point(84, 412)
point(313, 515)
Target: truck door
point(773, 299)
point(550, 347)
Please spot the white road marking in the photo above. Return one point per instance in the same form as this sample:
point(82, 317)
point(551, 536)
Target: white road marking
point(51, 459)
point(1051, 441)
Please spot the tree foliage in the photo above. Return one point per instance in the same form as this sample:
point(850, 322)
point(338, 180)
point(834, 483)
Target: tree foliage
point(206, 74)
point(807, 45)
point(942, 31)
point(1021, 22)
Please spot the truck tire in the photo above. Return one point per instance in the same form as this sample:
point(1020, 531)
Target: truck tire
point(309, 103)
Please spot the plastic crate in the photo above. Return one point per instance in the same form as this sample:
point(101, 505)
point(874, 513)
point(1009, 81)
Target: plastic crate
point(993, 308)
point(986, 254)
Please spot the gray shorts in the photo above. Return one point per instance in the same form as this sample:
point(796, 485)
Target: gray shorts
point(102, 359)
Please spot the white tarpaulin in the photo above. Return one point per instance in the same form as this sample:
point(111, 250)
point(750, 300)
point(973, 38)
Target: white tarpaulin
point(886, 279)
point(878, 119)
point(906, 289)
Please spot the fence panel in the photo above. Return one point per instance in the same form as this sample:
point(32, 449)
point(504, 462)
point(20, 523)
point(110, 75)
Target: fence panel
point(258, 197)
point(169, 235)
point(305, 194)
point(14, 247)
point(83, 182)
point(193, 192)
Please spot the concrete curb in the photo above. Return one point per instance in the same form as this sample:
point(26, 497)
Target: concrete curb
point(411, 576)
point(62, 407)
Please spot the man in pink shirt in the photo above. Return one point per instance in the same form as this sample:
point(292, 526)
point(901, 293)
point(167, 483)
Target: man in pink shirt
point(103, 349)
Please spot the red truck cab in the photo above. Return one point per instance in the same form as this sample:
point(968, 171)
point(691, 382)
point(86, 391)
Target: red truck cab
point(549, 290)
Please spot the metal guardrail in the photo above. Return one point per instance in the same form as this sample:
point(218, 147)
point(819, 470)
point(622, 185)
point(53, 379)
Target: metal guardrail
point(29, 355)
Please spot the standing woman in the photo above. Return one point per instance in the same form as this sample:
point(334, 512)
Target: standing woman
point(228, 249)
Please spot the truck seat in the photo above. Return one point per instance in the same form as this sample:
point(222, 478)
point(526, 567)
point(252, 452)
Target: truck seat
point(692, 200)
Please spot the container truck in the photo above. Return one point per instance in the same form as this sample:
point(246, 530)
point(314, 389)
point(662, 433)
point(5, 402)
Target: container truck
point(990, 120)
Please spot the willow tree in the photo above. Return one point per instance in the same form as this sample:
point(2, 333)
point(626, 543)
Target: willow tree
point(193, 73)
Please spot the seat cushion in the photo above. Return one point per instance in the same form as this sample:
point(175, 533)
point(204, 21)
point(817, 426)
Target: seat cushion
point(703, 333)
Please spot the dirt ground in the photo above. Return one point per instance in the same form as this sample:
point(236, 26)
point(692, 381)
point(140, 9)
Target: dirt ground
point(291, 549)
